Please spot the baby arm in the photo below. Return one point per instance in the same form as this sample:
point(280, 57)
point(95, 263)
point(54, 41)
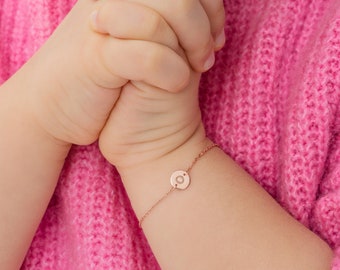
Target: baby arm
point(224, 220)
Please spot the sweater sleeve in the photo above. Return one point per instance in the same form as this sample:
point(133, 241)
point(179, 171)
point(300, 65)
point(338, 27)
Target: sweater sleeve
point(336, 261)
point(326, 216)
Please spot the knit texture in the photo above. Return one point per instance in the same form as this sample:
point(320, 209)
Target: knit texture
point(272, 102)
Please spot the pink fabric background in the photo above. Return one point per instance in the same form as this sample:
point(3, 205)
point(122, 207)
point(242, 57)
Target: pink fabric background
point(271, 102)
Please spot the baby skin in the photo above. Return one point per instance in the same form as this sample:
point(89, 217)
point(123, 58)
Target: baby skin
point(103, 55)
point(126, 73)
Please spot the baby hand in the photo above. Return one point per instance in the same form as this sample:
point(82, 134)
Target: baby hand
point(148, 123)
point(198, 24)
point(74, 80)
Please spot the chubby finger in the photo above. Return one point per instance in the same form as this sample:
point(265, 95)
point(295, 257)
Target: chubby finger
point(216, 14)
point(191, 24)
point(145, 61)
point(127, 20)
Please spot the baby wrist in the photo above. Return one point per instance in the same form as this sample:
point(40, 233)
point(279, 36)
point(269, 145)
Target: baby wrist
point(20, 108)
point(173, 147)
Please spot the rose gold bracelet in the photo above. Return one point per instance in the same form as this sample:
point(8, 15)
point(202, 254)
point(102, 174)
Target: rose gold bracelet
point(179, 180)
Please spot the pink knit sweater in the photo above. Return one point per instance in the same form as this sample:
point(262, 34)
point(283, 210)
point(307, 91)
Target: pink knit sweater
point(272, 102)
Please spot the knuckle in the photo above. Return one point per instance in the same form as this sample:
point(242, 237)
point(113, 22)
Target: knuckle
point(108, 11)
point(102, 12)
point(153, 58)
point(183, 6)
point(154, 24)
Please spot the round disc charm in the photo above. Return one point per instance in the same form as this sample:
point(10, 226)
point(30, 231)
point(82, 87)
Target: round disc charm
point(180, 179)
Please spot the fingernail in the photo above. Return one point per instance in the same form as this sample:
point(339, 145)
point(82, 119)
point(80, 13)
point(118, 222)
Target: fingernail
point(210, 61)
point(220, 40)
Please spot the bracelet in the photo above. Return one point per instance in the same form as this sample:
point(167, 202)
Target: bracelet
point(179, 180)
